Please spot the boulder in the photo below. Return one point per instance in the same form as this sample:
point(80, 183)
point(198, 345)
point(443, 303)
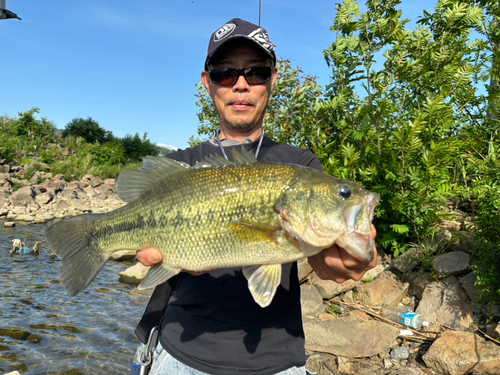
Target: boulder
point(384, 290)
point(460, 353)
point(304, 268)
point(23, 197)
point(468, 283)
point(445, 302)
point(312, 303)
point(134, 275)
point(349, 337)
point(454, 263)
point(329, 289)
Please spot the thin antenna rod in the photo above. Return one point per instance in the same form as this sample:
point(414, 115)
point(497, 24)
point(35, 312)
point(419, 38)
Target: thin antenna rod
point(260, 9)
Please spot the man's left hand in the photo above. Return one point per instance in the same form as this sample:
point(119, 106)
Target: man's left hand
point(334, 263)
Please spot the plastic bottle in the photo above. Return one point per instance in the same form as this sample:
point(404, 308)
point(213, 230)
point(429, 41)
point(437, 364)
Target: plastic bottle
point(402, 315)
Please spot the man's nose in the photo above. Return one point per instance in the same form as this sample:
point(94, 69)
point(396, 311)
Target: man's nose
point(241, 84)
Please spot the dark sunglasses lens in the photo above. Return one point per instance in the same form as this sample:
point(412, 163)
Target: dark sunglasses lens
point(229, 76)
point(258, 75)
point(224, 77)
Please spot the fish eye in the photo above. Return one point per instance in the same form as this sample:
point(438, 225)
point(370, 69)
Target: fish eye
point(345, 192)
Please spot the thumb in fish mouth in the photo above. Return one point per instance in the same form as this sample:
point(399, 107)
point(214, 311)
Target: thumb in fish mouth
point(335, 263)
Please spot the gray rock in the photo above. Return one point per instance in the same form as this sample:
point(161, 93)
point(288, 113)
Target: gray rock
point(25, 217)
point(43, 217)
point(4, 178)
point(123, 255)
point(312, 303)
point(348, 337)
point(134, 275)
point(493, 330)
point(407, 261)
point(399, 353)
point(44, 198)
point(9, 224)
point(460, 353)
point(375, 272)
point(418, 281)
point(62, 205)
point(304, 269)
point(445, 302)
point(23, 197)
point(468, 283)
point(454, 263)
point(329, 289)
point(384, 290)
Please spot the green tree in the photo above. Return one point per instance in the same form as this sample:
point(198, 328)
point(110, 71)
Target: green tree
point(397, 107)
point(135, 147)
point(89, 129)
point(28, 125)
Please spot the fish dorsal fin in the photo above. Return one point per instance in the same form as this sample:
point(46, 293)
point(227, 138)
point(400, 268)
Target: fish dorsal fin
point(243, 157)
point(213, 161)
point(240, 158)
point(132, 183)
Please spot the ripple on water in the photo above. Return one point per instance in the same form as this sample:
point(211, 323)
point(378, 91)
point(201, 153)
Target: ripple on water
point(44, 331)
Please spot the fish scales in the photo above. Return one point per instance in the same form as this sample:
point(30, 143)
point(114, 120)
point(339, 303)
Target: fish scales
point(189, 215)
point(219, 214)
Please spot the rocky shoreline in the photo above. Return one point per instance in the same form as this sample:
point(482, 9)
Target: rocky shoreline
point(39, 202)
point(345, 332)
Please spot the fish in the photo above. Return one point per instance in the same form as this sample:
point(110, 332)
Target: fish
point(218, 214)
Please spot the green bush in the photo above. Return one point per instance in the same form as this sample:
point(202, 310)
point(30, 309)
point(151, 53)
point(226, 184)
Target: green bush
point(89, 129)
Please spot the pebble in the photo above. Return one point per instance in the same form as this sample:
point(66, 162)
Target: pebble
point(400, 353)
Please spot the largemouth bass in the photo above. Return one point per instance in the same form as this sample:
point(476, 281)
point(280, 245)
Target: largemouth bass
point(219, 214)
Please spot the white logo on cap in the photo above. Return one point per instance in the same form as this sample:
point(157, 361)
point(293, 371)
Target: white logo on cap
point(261, 37)
point(224, 31)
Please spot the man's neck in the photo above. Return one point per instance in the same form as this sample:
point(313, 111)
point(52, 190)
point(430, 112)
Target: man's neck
point(253, 134)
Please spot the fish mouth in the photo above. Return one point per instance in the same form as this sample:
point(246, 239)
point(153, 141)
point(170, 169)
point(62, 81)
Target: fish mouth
point(357, 240)
point(355, 237)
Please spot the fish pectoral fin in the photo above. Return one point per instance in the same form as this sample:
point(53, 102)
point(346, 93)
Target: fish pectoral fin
point(158, 274)
point(267, 230)
point(263, 282)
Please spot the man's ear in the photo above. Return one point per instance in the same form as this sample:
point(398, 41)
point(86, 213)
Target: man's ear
point(205, 79)
point(275, 77)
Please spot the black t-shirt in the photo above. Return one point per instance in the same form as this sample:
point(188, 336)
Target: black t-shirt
point(212, 322)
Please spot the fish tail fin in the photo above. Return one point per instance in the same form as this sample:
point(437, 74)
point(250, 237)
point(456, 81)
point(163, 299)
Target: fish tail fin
point(82, 259)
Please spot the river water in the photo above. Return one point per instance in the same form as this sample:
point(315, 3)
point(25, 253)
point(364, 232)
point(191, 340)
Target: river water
point(44, 331)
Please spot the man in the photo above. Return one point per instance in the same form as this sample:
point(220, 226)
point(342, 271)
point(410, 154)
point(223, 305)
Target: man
point(212, 324)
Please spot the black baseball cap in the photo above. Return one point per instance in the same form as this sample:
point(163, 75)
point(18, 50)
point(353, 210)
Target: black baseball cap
point(238, 28)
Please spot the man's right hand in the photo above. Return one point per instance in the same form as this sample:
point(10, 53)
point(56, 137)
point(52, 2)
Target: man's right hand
point(149, 256)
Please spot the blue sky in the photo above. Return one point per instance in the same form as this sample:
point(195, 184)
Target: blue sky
point(133, 65)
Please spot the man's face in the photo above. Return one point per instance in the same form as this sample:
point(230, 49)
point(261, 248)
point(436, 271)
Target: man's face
point(240, 107)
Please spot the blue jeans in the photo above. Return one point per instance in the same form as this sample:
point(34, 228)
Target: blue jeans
point(165, 364)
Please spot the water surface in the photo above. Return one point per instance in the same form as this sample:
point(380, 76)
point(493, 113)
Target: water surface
point(44, 331)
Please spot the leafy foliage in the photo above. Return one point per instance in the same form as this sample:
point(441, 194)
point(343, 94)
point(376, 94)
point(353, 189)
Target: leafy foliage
point(134, 147)
point(88, 129)
point(408, 114)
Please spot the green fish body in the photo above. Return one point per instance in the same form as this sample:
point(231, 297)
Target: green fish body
point(218, 214)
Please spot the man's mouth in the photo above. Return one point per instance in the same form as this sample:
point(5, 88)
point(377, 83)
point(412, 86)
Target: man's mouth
point(241, 105)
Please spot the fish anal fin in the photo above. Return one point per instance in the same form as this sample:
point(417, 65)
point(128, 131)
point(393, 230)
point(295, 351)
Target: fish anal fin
point(158, 274)
point(263, 281)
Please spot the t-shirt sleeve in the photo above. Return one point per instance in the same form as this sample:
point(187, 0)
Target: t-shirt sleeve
point(308, 159)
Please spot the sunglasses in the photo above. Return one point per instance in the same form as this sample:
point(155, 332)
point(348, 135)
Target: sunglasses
point(229, 76)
